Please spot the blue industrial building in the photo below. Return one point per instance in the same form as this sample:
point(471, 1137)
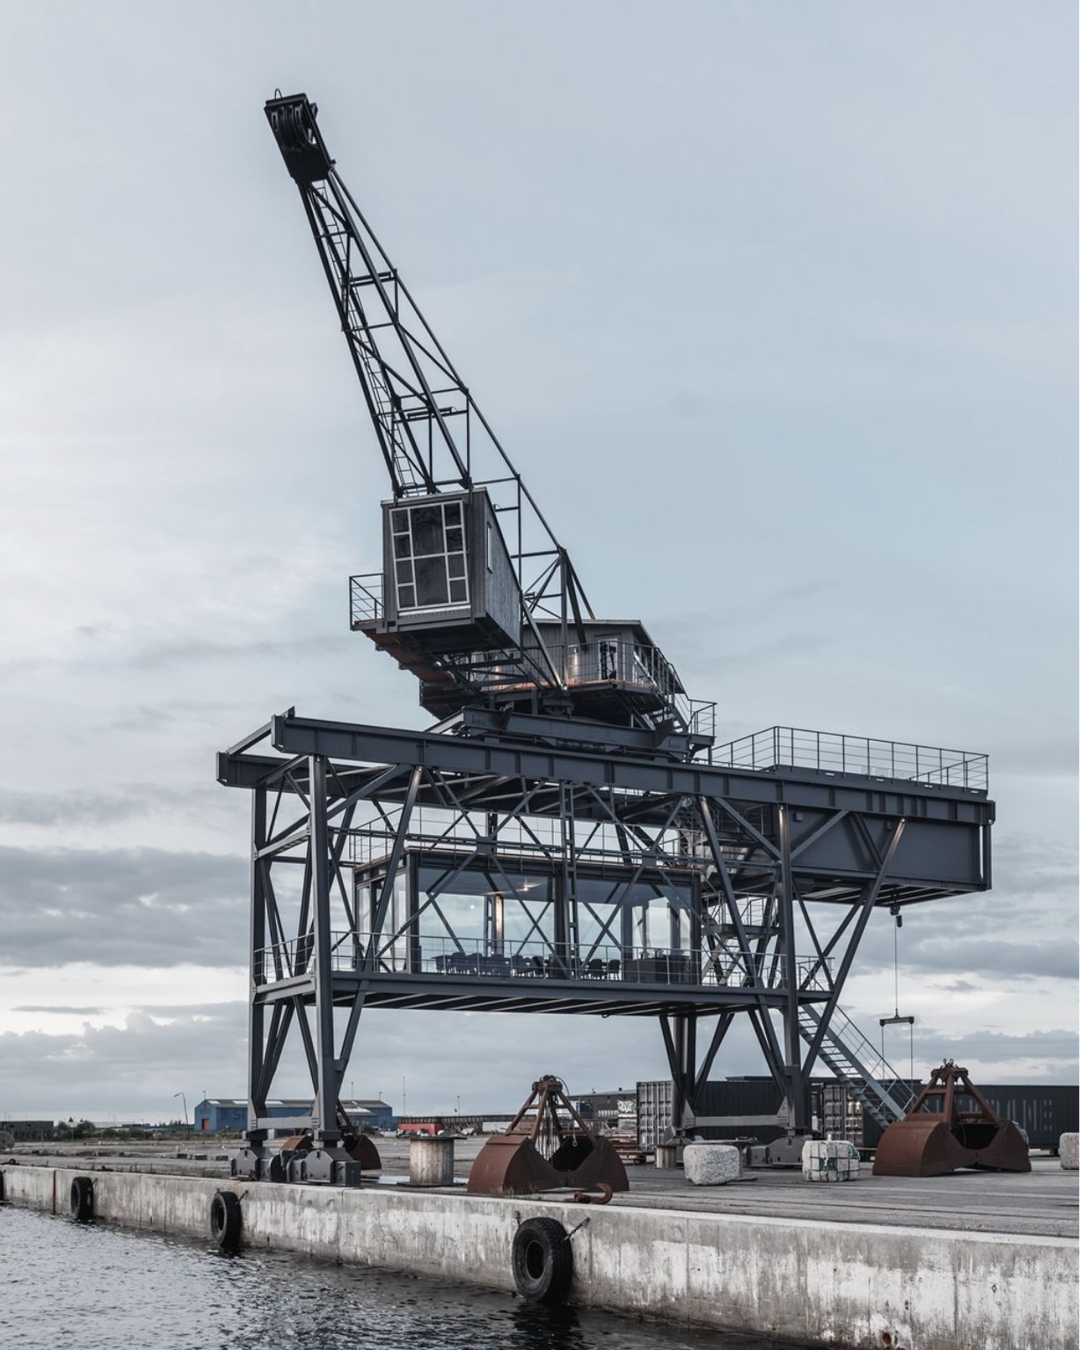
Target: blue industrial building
point(216, 1115)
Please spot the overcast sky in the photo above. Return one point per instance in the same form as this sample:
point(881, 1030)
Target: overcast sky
point(773, 303)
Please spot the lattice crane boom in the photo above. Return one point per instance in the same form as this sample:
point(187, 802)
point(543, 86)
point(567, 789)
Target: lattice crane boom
point(478, 597)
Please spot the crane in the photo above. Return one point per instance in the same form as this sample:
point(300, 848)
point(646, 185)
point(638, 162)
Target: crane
point(476, 596)
point(558, 842)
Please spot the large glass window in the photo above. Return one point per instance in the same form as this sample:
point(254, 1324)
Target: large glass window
point(429, 555)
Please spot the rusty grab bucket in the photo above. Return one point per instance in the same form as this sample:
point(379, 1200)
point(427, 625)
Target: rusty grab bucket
point(514, 1163)
point(942, 1133)
point(359, 1146)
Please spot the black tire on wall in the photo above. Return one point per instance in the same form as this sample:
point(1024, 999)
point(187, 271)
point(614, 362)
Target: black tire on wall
point(82, 1199)
point(543, 1261)
point(226, 1221)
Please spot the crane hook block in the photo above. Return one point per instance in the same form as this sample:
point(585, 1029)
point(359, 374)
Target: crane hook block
point(292, 120)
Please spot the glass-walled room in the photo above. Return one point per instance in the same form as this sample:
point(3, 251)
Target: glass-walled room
point(452, 916)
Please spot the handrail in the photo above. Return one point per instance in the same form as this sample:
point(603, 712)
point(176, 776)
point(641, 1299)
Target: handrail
point(365, 598)
point(839, 753)
point(425, 954)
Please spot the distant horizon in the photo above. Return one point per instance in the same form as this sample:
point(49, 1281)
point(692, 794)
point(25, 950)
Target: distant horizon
point(111, 1119)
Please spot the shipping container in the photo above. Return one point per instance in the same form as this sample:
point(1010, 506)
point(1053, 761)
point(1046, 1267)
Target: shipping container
point(752, 1107)
point(654, 1107)
point(1043, 1111)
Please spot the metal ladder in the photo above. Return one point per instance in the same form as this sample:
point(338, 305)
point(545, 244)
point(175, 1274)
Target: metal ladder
point(885, 1105)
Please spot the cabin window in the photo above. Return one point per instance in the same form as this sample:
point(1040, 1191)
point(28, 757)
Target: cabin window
point(429, 555)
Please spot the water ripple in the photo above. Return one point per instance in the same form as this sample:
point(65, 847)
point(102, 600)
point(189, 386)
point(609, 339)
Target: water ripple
point(95, 1287)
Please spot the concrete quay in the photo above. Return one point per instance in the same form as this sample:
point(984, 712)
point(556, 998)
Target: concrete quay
point(850, 1280)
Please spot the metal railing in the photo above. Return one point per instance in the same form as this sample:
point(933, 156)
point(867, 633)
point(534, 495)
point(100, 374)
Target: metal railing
point(699, 715)
point(836, 753)
point(616, 660)
point(529, 960)
point(365, 598)
point(602, 661)
point(850, 1036)
point(537, 840)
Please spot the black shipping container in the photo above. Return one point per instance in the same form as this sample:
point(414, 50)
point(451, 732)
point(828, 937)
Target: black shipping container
point(1044, 1111)
point(749, 1103)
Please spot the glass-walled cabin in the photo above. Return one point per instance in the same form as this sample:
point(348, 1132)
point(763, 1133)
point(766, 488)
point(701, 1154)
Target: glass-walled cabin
point(452, 916)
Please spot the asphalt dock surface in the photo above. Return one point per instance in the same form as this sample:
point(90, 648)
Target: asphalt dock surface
point(1041, 1203)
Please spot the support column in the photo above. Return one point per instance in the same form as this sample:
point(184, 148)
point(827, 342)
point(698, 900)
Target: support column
point(326, 1075)
point(257, 942)
point(680, 1042)
point(798, 1102)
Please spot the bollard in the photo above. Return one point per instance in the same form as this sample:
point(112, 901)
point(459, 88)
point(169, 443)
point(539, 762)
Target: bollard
point(431, 1160)
point(1068, 1148)
point(667, 1155)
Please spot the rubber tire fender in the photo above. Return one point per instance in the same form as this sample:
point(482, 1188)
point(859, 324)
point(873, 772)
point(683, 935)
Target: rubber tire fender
point(226, 1220)
point(543, 1261)
point(82, 1199)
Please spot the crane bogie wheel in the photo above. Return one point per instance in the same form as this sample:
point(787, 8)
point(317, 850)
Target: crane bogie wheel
point(543, 1261)
point(82, 1199)
point(226, 1221)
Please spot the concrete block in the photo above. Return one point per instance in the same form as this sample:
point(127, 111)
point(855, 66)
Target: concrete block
point(830, 1160)
point(431, 1160)
point(1067, 1147)
point(710, 1164)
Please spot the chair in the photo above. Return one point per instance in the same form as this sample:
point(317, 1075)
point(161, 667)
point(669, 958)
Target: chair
point(614, 969)
point(596, 970)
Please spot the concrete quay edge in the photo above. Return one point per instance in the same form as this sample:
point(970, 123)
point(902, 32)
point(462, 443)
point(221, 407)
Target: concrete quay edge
point(814, 1283)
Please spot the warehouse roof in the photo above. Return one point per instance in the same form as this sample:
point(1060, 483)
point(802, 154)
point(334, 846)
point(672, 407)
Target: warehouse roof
point(355, 1106)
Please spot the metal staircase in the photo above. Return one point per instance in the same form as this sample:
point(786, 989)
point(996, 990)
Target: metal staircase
point(849, 1065)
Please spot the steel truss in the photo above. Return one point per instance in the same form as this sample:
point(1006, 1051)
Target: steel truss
point(406, 869)
point(431, 432)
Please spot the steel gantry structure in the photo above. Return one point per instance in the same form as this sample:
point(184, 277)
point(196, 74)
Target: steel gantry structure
point(569, 838)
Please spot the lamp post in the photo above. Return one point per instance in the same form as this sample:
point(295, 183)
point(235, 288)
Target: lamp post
point(183, 1101)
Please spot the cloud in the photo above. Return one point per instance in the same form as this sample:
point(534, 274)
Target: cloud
point(129, 1071)
point(19, 807)
point(1047, 1056)
point(489, 1060)
point(996, 956)
point(114, 907)
point(59, 1008)
point(1025, 927)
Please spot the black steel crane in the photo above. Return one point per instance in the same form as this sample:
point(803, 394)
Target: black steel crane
point(476, 595)
point(568, 839)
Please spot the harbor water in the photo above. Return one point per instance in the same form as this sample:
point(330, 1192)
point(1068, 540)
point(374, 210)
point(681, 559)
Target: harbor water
point(98, 1287)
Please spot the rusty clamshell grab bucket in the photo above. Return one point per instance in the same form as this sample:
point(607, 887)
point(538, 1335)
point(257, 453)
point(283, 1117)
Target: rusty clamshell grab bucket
point(940, 1134)
point(546, 1146)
